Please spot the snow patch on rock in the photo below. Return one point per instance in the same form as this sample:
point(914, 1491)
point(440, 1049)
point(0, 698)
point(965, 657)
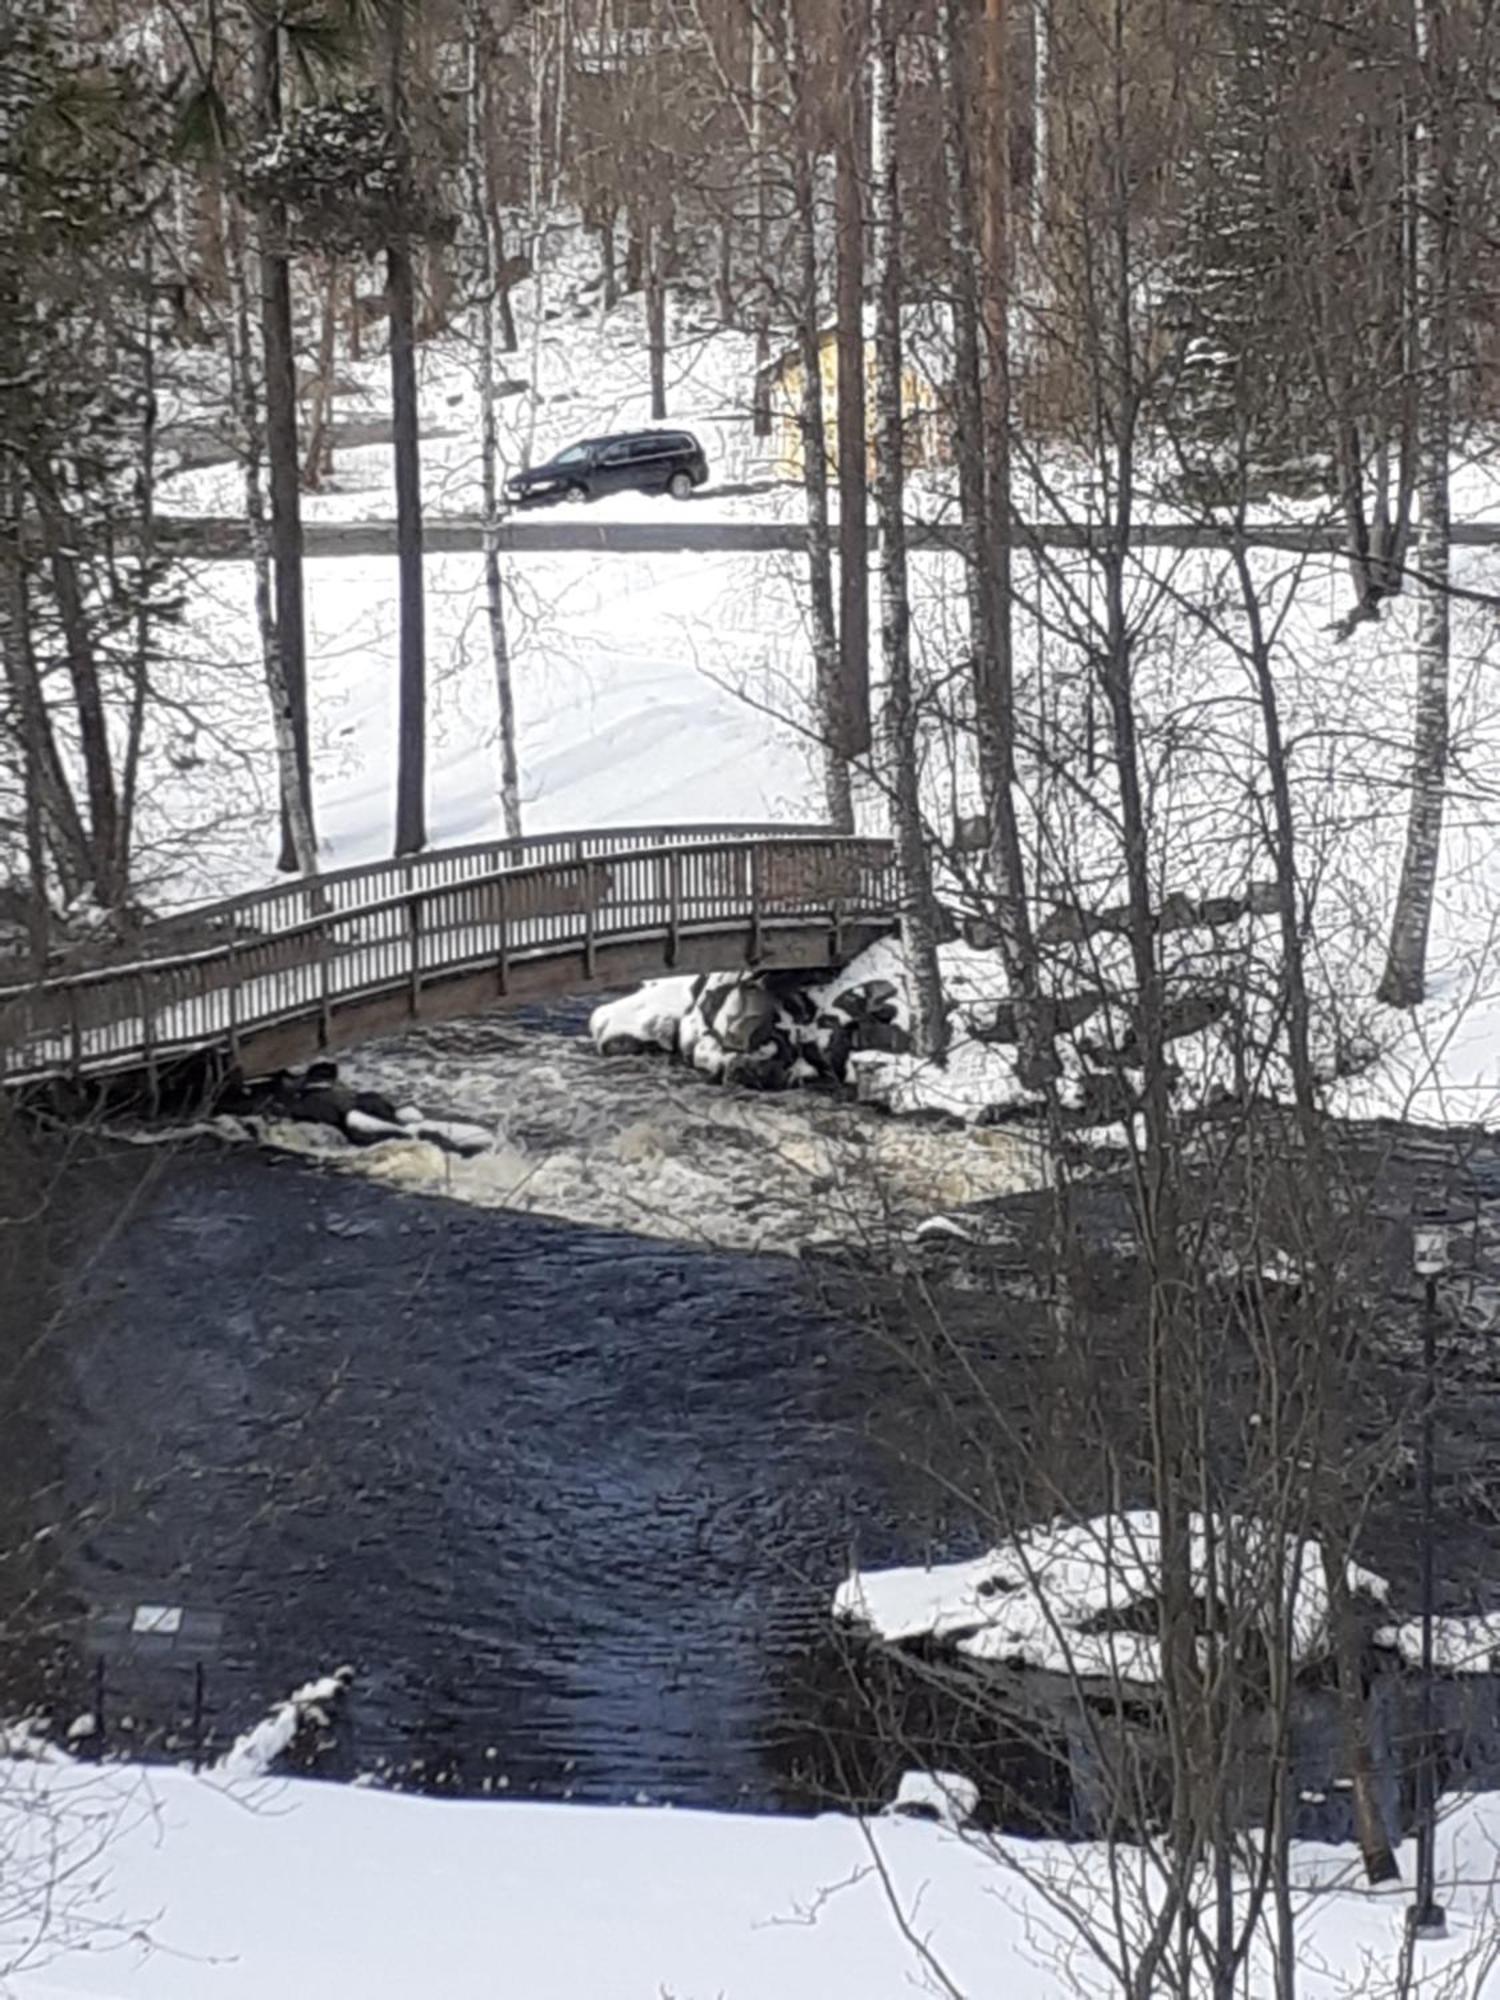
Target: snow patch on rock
point(1067, 1597)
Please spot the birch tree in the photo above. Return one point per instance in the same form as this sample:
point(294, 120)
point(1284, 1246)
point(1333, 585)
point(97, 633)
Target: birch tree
point(832, 731)
point(982, 424)
point(1404, 983)
point(487, 254)
point(280, 400)
point(902, 735)
point(851, 29)
point(411, 725)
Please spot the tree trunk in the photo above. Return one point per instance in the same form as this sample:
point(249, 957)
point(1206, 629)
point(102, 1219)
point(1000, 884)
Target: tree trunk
point(832, 730)
point(411, 745)
point(317, 463)
point(635, 251)
point(656, 318)
point(1041, 87)
point(479, 111)
point(143, 648)
point(106, 861)
point(1404, 983)
point(1405, 977)
point(608, 263)
point(47, 787)
point(296, 804)
point(929, 1026)
point(853, 444)
point(724, 272)
point(984, 488)
point(281, 441)
point(1369, 1829)
point(761, 409)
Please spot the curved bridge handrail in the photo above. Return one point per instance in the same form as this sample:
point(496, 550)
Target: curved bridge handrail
point(118, 1017)
point(439, 866)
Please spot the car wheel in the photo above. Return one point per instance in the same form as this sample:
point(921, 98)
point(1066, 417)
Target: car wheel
point(576, 492)
point(680, 486)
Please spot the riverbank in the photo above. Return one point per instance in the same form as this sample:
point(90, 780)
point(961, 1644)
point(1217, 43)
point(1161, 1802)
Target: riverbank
point(166, 1887)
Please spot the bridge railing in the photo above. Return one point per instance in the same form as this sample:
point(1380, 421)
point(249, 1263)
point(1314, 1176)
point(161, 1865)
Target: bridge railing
point(283, 905)
point(130, 1016)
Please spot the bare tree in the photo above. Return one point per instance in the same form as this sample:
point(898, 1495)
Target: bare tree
point(411, 728)
point(902, 740)
point(483, 225)
point(280, 379)
point(1404, 983)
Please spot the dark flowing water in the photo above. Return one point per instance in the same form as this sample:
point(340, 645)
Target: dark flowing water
point(571, 1503)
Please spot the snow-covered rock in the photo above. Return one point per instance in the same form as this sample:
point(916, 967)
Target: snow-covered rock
point(943, 1796)
point(1067, 1597)
point(308, 1707)
point(764, 1031)
point(319, 1098)
point(1459, 1645)
point(645, 1020)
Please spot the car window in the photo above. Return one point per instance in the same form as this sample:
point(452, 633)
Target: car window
point(616, 454)
point(652, 447)
point(575, 454)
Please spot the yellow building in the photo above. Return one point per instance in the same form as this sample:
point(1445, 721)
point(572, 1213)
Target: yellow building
point(924, 415)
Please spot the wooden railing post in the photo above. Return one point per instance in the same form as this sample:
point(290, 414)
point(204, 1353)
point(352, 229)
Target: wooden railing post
point(502, 964)
point(674, 905)
point(756, 897)
point(148, 1033)
point(232, 987)
point(325, 998)
point(75, 1035)
point(589, 894)
point(414, 924)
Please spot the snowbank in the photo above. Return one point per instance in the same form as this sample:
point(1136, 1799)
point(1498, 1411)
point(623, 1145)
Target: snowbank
point(1459, 1645)
point(307, 1707)
point(1061, 1597)
point(182, 1891)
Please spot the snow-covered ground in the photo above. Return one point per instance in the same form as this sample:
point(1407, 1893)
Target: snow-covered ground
point(624, 671)
point(661, 688)
point(161, 1886)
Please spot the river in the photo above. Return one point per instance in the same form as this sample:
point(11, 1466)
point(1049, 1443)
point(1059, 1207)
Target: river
point(569, 1491)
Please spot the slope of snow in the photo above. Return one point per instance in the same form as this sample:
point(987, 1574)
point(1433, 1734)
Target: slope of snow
point(625, 675)
point(170, 1887)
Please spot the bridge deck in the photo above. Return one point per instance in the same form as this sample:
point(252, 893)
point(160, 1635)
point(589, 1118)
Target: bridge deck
point(337, 958)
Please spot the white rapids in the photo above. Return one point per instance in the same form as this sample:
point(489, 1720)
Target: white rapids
point(635, 1143)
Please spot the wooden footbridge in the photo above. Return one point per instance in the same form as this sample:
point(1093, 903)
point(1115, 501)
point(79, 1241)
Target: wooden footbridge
point(324, 962)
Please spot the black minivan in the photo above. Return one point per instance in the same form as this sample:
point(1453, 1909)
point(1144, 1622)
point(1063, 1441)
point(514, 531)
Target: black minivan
point(632, 462)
